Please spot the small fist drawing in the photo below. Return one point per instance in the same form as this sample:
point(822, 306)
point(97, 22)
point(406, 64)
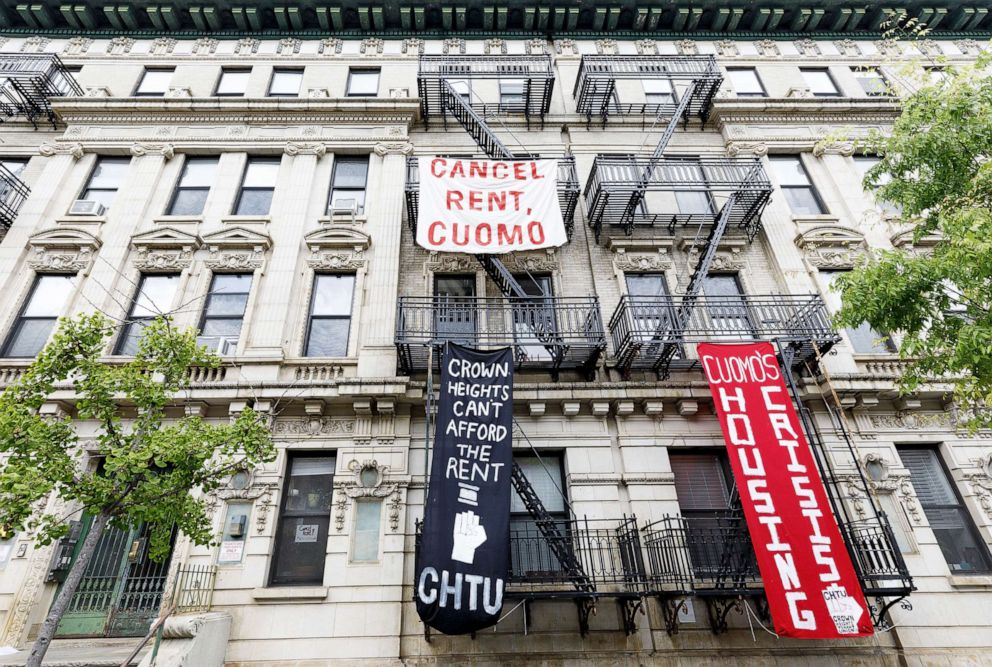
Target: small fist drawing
point(468, 534)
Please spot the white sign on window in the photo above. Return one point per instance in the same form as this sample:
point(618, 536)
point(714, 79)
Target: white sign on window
point(307, 533)
point(488, 206)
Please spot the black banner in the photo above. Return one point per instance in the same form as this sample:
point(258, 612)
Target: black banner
point(463, 558)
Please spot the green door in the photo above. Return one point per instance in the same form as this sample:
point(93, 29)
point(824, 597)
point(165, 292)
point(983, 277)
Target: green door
point(121, 591)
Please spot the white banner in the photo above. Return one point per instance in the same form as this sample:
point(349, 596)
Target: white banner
point(487, 206)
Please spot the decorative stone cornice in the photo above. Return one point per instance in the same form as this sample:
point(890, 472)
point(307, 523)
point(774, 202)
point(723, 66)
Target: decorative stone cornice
point(744, 148)
point(832, 247)
point(545, 261)
point(165, 150)
point(384, 149)
point(337, 249)
point(294, 148)
point(164, 249)
point(74, 149)
point(845, 148)
point(236, 249)
point(449, 263)
point(62, 250)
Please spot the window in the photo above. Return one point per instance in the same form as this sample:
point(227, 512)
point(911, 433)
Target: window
point(155, 82)
point(154, 297)
point(257, 186)
point(872, 81)
point(224, 311)
point(534, 317)
point(455, 309)
point(368, 513)
point(106, 178)
point(936, 75)
point(193, 186)
point(726, 306)
point(864, 339)
point(959, 540)
point(330, 315)
point(698, 200)
point(511, 95)
point(864, 163)
point(348, 183)
point(14, 165)
point(796, 186)
point(301, 537)
point(650, 306)
point(819, 82)
point(529, 551)
point(658, 91)
point(363, 82)
point(37, 319)
point(232, 82)
point(285, 82)
point(745, 82)
point(232, 542)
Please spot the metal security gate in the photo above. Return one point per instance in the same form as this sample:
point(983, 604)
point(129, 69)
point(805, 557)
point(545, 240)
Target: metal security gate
point(121, 592)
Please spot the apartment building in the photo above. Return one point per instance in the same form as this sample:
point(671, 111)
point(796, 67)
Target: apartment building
point(264, 189)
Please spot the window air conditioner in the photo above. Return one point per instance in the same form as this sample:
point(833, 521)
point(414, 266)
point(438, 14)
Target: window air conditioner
point(219, 345)
point(345, 207)
point(86, 207)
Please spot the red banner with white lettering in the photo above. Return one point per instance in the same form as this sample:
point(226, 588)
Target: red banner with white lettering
point(812, 589)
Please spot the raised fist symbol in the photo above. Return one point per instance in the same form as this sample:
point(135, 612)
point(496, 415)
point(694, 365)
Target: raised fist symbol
point(468, 534)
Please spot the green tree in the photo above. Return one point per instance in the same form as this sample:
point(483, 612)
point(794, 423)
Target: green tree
point(154, 468)
point(936, 169)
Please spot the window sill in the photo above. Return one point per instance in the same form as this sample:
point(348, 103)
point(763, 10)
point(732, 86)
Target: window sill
point(332, 219)
point(81, 220)
point(173, 219)
point(290, 594)
point(246, 219)
point(974, 582)
point(823, 218)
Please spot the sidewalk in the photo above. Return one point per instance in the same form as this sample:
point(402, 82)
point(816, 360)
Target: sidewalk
point(81, 653)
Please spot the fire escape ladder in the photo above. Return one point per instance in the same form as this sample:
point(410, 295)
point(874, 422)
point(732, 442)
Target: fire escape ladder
point(558, 541)
point(681, 112)
point(473, 123)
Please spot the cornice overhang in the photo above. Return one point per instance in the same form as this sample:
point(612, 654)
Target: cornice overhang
point(573, 18)
point(73, 110)
point(790, 110)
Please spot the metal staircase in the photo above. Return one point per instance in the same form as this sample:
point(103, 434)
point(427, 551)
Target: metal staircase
point(473, 123)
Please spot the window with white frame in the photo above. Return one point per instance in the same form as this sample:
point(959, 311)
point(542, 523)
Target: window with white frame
point(285, 82)
point(746, 82)
point(193, 186)
point(224, 311)
point(872, 81)
point(155, 82)
point(329, 320)
point(39, 315)
point(819, 82)
point(257, 186)
point(795, 184)
point(105, 180)
point(233, 82)
point(864, 163)
point(153, 298)
point(348, 183)
point(363, 82)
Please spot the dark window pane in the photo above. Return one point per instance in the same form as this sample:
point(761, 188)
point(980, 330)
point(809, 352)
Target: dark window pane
point(30, 337)
point(301, 549)
point(328, 338)
point(350, 172)
point(189, 202)
point(221, 303)
point(221, 328)
point(332, 294)
point(646, 284)
point(254, 202)
point(128, 345)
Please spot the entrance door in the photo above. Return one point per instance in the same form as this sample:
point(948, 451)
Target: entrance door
point(456, 311)
point(727, 308)
point(121, 591)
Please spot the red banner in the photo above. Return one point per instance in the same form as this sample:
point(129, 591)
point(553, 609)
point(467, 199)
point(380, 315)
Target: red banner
point(812, 589)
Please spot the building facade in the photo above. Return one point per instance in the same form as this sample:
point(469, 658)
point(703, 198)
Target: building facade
point(263, 190)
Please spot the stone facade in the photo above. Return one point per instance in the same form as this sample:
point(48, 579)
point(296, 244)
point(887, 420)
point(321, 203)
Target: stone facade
point(614, 433)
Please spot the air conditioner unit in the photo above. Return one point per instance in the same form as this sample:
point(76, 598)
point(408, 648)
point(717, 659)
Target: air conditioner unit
point(86, 207)
point(344, 207)
point(219, 345)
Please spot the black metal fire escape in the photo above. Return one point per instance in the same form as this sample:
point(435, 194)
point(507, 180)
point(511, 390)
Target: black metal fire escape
point(29, 80)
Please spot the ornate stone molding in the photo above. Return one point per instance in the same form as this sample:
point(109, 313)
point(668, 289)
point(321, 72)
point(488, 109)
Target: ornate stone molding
point(756, 148)
point(371, 46)
point(165, 150)
point(236, 249)
point(649, 47)
point(413, 46)
point(62, 250)
point(312, 425)
point(980, 480)
point(928, 47)
point(606, 47)
point(289, 46)
point(727, 48)
point(729, 256)
point(845, 148)
point(294, 148)
point(337, 248)
point(453, 45)
point(536, 47)
point(623, 261)
point(119, 46)
point(48, 150)
point(384, 149)
point(449, 263)
point(889, 47)
point(495, 46)
point(162, 46)
point(847, 47)
point(807, 47)
point(261, 493)
point(566, 47)
point(164, 249)
point(767, 47)
point(330, 47)
point(76, 46)
point(34, 44)
point(204, 46)
point(247, 46)
point(904, 241)
point(832, 247)
point(904, 420)
point(377, 488)
point(969, 47)
point(394, 510)
point(537, 261)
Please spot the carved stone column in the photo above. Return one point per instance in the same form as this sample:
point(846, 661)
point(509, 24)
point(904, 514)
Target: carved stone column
point(377, 357)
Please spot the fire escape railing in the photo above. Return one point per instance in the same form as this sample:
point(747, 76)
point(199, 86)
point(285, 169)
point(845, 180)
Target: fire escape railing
point(28, 81)
point(618, 196)
point(654, 333)
point(533, 79)
point(547, 333)
point(568, 191)
point(599, 85)
point(13, 192)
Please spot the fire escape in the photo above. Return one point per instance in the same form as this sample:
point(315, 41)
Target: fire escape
point(547, 332)
point(713, 558)
point(13, 192)
point(573, 558)
point(27, 83)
